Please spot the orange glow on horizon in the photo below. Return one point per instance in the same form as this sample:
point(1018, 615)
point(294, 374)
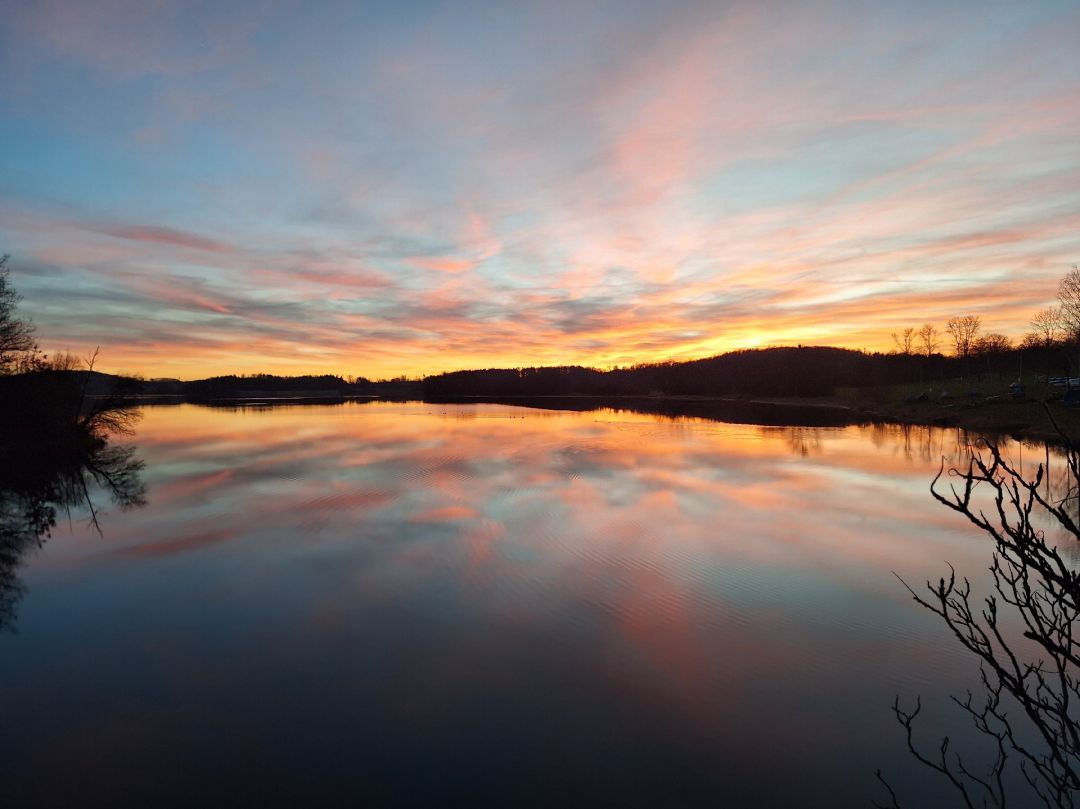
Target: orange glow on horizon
point(164, 364)
point(668, 188)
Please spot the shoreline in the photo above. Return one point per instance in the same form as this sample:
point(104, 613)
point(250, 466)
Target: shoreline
point(1025, 419)
point(1028, 419)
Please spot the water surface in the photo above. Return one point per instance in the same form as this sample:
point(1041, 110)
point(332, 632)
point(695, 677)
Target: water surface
point(395, 604)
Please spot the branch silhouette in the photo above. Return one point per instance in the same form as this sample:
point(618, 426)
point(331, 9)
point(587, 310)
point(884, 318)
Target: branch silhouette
point(1024, 634)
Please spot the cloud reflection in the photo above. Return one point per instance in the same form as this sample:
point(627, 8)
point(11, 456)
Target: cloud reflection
point(620, 601)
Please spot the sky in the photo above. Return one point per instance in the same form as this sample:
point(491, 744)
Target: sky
point(407, 187)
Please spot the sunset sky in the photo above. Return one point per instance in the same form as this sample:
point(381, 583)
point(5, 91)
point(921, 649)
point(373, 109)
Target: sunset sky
point(409, 187)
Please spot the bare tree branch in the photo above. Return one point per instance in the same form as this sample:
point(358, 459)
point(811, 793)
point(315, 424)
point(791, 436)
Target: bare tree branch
point(1029, 664)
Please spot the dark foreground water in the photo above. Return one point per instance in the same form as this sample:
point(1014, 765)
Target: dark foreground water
point(435, 605)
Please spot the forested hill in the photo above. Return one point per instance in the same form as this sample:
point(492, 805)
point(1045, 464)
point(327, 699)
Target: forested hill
point(770, 372)
point(774, 372)
point(767, 372)
point(778, 372)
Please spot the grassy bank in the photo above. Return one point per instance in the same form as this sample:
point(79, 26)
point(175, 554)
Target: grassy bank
point(980, 405)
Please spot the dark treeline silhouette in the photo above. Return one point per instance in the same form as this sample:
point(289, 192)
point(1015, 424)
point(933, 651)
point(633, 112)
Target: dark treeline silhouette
point(1051, 349)
point(772, 372)
point(811, 371)
point(769, 372)
point(270, 386)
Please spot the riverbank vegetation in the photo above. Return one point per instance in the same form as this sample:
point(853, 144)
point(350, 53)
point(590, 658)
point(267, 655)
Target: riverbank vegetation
point(57, 454)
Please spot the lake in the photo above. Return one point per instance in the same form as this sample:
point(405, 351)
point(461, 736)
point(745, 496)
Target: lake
point(431, 605)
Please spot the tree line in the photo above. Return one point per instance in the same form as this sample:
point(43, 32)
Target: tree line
point(1053, 326)
point(925, 353)
point(961, 333)
point(803, 371)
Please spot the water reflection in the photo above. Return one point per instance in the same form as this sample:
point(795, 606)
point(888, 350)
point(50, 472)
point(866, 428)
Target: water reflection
point(42, 479)
point(437, 604)
point(1022, 635)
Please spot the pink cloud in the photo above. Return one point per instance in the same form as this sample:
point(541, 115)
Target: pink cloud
point(169, 237)
point(443, 264)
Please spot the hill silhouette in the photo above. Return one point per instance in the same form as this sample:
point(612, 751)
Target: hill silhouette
point(803, 372)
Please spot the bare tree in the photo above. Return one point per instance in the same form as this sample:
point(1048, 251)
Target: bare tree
point(16, 334)
point(1028, 706)
point(905, 341)
point(1069, 297)
point(1032, 340)
point(992, 343)
point(929, 341)
point(1047, 324)
point(963, 330)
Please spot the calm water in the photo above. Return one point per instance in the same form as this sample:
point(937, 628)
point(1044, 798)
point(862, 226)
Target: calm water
point(385, 604)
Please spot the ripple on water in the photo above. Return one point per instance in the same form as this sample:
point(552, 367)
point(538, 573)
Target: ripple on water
point(317, 513)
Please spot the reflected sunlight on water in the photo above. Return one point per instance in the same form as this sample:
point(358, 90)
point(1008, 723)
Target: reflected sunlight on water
point(417, 603)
